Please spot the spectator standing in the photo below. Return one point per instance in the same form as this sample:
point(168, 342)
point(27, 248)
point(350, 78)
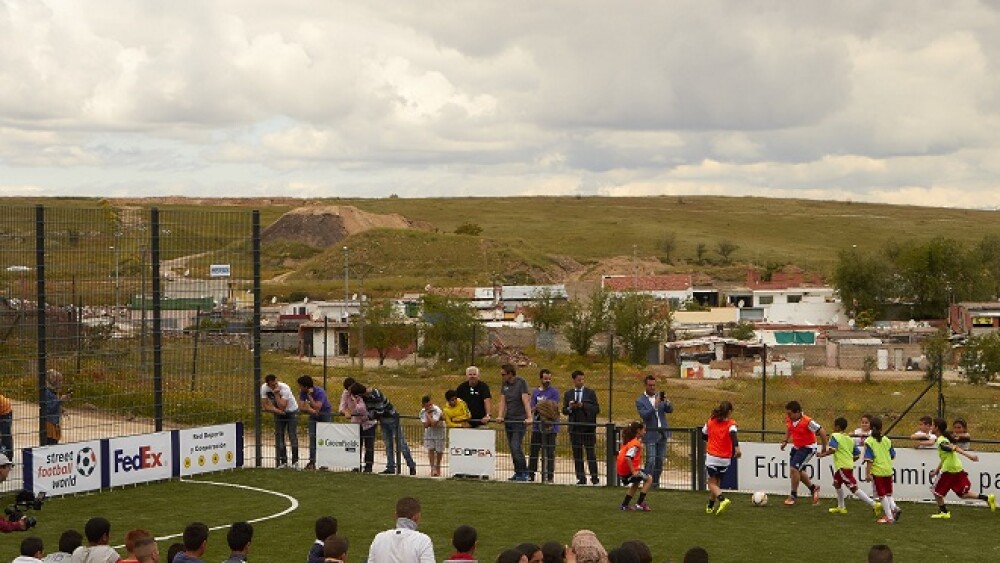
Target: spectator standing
point(6, 427)
point(195, 542)
point(476, 394)
point(515, 414)
point(238, 537)
point(97, 550)
point(580, 406)
point(456, 412)
point(313, 401)
point(435, 433)
point(381, 409)
point(32, 550)
point(653, 408)
point(403, 543)
point(325, 527)
point(68, 542)
point(358, 412)
point(545, 408)
point(52, 401)
point(276, 398)
point(346, 407)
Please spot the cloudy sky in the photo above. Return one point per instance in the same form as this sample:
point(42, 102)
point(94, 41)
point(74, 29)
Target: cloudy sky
point(895, 101)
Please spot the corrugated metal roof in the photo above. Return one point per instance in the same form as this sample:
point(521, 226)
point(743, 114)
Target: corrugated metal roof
point(662, 282)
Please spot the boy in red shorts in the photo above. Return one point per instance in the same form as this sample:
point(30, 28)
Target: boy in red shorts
point(952, 476)
point(845, 452)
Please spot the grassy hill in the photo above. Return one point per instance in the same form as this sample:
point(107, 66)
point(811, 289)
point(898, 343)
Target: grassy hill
point(544, 239)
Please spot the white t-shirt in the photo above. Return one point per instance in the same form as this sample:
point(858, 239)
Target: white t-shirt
point(95, 554)
point(401, 545)
point(284, 392)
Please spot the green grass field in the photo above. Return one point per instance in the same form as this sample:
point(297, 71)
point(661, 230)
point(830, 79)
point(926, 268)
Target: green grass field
point(507, 514)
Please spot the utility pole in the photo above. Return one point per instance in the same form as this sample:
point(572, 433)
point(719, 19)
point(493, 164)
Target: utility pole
point(346, 316)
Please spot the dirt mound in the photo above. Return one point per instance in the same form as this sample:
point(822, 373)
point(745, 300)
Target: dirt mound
point(326, 226)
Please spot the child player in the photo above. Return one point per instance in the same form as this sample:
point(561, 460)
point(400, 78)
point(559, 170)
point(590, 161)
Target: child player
point(802, 431)
point(952, 476)
point(723, 447)
point(879, 454)
point(845, 452)
point(630, 466)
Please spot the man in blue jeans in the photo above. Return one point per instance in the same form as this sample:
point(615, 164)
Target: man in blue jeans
point(380, 409)
point(277, 398)
point(313, 401)
point(653, 408)
point(515, 414)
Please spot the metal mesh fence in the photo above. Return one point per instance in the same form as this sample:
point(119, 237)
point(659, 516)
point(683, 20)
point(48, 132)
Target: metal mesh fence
point(118, 321)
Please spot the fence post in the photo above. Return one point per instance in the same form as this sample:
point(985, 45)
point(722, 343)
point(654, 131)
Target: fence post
point(154, 250)
point(697, 460)
point(610, 455)
point(763, 393)
point(42, 329)
point(257, 422)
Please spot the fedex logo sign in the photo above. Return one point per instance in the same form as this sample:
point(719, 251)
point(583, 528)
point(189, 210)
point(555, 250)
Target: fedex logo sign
point(145, 458)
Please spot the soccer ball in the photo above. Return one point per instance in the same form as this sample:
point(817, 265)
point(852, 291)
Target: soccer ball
point(86, 461)
point(759, 498)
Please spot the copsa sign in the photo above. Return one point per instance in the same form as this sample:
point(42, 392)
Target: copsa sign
point(63, 469)
point(472, 451)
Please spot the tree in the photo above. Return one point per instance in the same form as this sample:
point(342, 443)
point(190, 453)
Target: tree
point(667, 246)
point(448, 328)
point(743, 331)
point(586, 320)
point(384, 328)
point(470, 229)
point(700, 251)
point(639, 322)
point(548, 312)
point(861, 280)
point(928, 274)
point(934, 349)
point(980, 361)
point(725, 249)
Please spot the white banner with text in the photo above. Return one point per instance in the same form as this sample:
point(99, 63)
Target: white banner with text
point(472, 451)
point(338, 445)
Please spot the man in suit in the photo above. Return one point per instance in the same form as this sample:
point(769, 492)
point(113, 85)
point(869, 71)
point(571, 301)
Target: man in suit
point(653, 408)
point(580, 405)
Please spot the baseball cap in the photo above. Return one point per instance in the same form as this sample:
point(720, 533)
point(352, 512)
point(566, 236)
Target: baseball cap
point(4, 460)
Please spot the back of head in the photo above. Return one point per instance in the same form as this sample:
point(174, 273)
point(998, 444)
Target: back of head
point(880, 553)
point(31, 546)
point(195, 535)
point(144, 548)
point(622, 555)
point(348, 382)
point(173, 550)
point(553, 552)
point(528, 549)
point(239, 536)
point(588, 548)
point(698, 554)
point(510, 556)
point(358, 389)
point(70, 540)
point(134, 535)
point(407, 507)
point(641, 550)
point(326, 526)
point(335, 547)
point(464, 539)
point(97, 530)
point(840, 424)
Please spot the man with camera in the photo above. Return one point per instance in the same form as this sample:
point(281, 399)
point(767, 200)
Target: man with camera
point(276, 398)
point(20, 524)
point(653, 408)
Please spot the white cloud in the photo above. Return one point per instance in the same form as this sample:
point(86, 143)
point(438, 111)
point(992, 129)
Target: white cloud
point(894, 101)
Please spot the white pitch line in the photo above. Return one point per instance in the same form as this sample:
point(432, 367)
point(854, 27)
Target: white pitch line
point(292, 500)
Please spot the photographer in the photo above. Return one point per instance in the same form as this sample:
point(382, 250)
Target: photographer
point(653, 408)
point(7, 526)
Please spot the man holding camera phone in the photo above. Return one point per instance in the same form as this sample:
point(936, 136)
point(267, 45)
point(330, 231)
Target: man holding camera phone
point(653, 408)
point(5, 525)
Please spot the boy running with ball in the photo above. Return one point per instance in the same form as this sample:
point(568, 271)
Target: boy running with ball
point(802, 431)
point(845, 452)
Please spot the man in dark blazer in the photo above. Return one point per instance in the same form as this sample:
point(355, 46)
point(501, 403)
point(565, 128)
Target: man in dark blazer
point(580, 405)
point(653, 408)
